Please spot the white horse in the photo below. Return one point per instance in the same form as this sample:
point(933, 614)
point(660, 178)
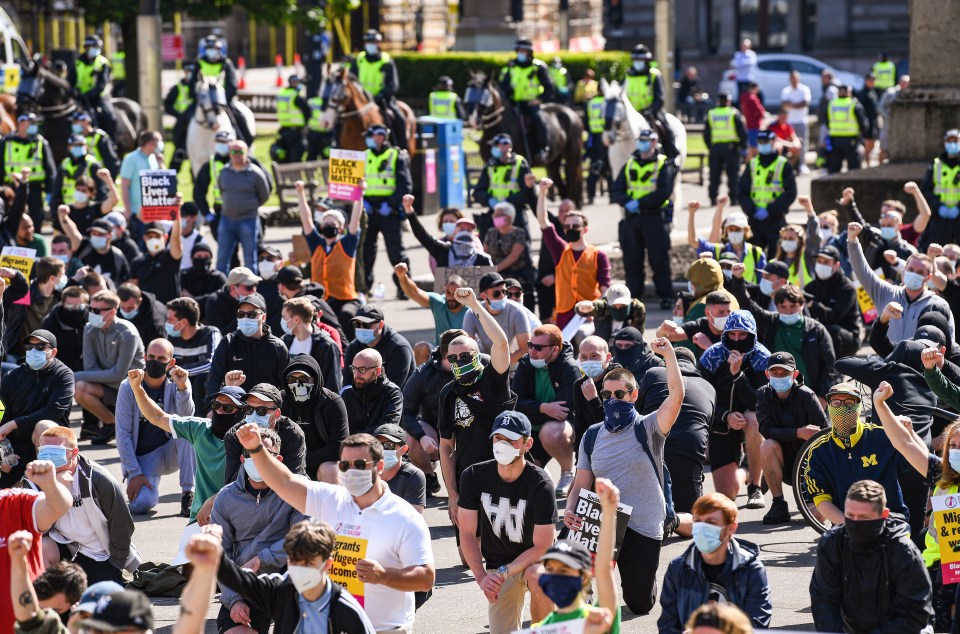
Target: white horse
point(622, 126)
point(210, 117)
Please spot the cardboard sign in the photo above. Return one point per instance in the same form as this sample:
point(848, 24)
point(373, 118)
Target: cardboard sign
point(188, 532)
point(867, 308)
point(588, 509)
point(349, 549)
point(346, 171)
point(301, 250)
point(158, 194)
point(946, 520)
point(470, 274)
point(567, 627)
point(18, 259)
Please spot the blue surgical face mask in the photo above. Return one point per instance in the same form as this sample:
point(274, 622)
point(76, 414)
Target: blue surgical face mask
point(221, 149)
point(498, 304)
point(170, 330)
point(888, 233)
point(248, 326)
point(448, 228)
point(765, 148)
point(952, 148)
point(260, 421)
point(522, 58)
point(251, 470)
point(36, 359)
point(954, 459)
point(77, 151)
point(639, 66)
point(32, 129)
point(285, 327)
point(371, 49)
point(95, 51)
point(644, 146)
point(365, 335)
point(76, 128)
point(781, 383)
point(95, 320)
point(371, 142)
point(390, 459)
point(593, 369)
point(706, 537)
point(496, 152)
point(98, 242)
point(913, 281)
point(766, 287)
point(129, 314)
point(791, 319)
point(54, 453)
point(538, 363)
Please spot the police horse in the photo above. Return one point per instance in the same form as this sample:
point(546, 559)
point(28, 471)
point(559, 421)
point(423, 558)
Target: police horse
point(211, 115)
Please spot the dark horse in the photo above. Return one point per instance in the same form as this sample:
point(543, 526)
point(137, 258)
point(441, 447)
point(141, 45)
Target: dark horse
point(487, 111)
point(46, 92)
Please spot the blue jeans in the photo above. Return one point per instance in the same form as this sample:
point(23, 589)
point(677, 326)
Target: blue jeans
point(174, 455)
point(229, 234)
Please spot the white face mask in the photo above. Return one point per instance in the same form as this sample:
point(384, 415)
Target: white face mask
point(826, 234)
point(789, 246)
point(735, 237)
point(357, 481)
point(504, 452)
point(154, 245)
point(823, 271)
point(267, 269)
point(719, 323)
point(304, 578)
point(301, 391)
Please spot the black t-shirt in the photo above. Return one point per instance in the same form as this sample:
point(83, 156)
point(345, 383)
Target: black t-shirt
point(83, 217)
point(699, 325)
point(718, 593)
point(158, 274)
point(467, 413)
point(507, 511)
point(409, 484)
point(111, 264)
point(151, 437)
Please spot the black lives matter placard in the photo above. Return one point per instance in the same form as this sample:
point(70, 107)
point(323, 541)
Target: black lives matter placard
point(588, 509)
point(158, 193)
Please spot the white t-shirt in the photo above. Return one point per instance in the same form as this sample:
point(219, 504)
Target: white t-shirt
point(396, 537)
point(75, 526)
point(301, 347)
point(791, 95)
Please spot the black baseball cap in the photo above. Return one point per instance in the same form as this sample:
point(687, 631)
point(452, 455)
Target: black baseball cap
point(628, 334)
point(928, 334)
point(265, 392)
point(43, 335)
point(101, 225)
point(512, 282)
point(512, 424)
point(782, 360)
point(290, 276)
point(778, 268)
point(124, 610)
point(391, 431)
point(154, 227)
point(570, 552)
point(766, 135)
point(256, 299)
point(831, 252)
point(368, 314)
point(489, 280)
point(269, 250)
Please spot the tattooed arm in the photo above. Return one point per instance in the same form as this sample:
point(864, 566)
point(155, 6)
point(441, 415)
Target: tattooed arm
point(25, 603)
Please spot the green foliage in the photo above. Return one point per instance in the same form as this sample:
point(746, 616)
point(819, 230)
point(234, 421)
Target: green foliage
point(419, 72)
point(274, 12)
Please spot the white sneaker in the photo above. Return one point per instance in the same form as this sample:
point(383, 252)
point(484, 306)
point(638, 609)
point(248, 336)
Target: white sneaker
point(563, 487)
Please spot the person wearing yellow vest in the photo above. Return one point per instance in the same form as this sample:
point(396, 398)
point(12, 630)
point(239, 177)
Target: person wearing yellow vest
point(443, 102)
point(885, 72)
point(211, 63)
point(293, 112)
point(596, 149)
point(561, 81)
point(377, 73)
point(118, 62)
point(504, 179)
point(725, 134)
point(846, 125)
point(727, 235)
point(78, 163)
point(644, 188)
point(941, 189)
point(526, 83)
point(797, 252)
point(586, 88)
point(333, 245)
point(388, 181)
point(90, 77)
point(101, 146)
point(767, 188)
point(645, 90)
point(27, 149)
point(319, 138)
point(176, 102)
point(582, 270)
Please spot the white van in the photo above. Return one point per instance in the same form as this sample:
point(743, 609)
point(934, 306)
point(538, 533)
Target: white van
point(13, 51)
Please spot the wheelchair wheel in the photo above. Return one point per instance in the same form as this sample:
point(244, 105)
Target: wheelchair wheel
point(802, 496)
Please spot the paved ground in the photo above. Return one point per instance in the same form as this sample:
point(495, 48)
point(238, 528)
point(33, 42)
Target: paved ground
point(457, 604)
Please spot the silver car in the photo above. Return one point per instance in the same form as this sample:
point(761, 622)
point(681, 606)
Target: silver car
point(773, 75)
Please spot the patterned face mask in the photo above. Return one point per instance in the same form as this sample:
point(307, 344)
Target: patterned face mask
point(844, 420)
point(468, 373)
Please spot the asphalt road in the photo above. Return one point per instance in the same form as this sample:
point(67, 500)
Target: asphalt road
point(457, 604)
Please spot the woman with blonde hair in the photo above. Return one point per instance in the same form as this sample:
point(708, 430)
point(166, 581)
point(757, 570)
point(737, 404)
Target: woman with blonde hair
point(718, 618)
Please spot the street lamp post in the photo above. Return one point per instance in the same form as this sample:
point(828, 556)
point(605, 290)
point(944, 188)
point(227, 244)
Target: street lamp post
point(150, 62)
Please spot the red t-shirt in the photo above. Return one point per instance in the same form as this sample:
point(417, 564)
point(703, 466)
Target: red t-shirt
point(908, 233)
point(783, 131)
point(16, 514)
point(752, 110)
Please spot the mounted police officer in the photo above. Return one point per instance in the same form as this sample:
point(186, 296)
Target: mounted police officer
point(846, 123)
point(526, 83)
point(176, 102)
point(504, 179)
point(443, 102)
point(561, 81)
point(377, 73)
point(645, 90)
point(293, 112)
point(726, 135)
point(99, 143)
point(27, 149)
point(90, 78)
point(941, 188)
point(767, 189)
point(596, 150)
point(79, 163)
point(644, 187)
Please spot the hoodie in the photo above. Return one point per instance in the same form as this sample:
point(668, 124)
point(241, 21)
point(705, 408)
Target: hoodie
point(325, 351)
point(262, 360)
point(69, 335)
point(706, 276)
point(322, 417)
point(564, 372)
point(421, 395)
point(735, 393)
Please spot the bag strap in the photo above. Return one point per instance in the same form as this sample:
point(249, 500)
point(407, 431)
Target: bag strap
point(590, 439)
point(640, 432)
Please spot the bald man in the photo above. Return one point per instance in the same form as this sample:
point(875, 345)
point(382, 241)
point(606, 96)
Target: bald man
point(373, 399)
point(595, 360)
point(146, 451)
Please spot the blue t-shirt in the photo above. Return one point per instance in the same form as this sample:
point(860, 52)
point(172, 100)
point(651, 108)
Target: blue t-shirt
point(443, 318)
point(349, 242)
point(315, 614)
point(131, 167)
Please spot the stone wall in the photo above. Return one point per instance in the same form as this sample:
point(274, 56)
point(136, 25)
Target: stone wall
point(872, 187)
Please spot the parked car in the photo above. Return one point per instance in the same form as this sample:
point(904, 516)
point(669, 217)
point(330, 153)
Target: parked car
point(773, 75)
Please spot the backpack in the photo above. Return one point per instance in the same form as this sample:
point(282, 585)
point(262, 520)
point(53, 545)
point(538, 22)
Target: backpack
point(670, 522)
point(158, 580)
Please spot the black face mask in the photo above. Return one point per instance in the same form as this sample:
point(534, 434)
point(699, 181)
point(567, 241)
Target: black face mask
point(330, 231)
point(223, 422)
point(742, 346)
point(572, 235)
point(628, 357)
point(865, 534)
point(73, 317)
point(619, 313)
point(202, 264)
point(155, 369)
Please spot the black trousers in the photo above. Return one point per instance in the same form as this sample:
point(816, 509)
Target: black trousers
point(724, 158)
point(96, 570)
point(686, 473)
point(646, 233)
point(291, 139)
point(843, 149)
point(846, 343)
point(766, 233)
point(391, 228)
point(638, 560)
point(599, 163)
point(346, 311)
point(915, 497)
point(35, 204)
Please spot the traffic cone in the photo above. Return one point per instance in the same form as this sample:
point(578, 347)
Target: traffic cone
point(279, 63)
point(297, 64)
point(242, 67)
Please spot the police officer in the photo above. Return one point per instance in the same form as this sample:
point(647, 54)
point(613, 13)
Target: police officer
point(596, 150)
point(526, 82)
point(846, 123)
point(118, 63)
point(504, 178)
point(885, 73)
point(388, 179)
point(90, 76)
point(27, 149)
point(78, 163)
point(443, 102)
point(319, 137)
point(726, 135)
point(767, 189)
point(212, 63)
point(293, 111)
point(176, 102)
point(644, 188)
point(377, 73)
point(645, 90)
point(941, 188)
point(99, 143)
point(561, 81)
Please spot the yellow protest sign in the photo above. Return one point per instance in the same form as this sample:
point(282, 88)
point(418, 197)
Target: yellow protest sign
point(346, 172)
point(946, 520)
point(18, 259)
point(347, 552)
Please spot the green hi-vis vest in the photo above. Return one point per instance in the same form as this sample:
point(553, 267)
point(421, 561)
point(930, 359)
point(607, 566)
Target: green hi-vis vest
point(525, 82)
point(595, 119)
point(559, 77)
point(640, 89)
point(183, 100)
point(86, 71)
point(381, 172)
point(885, 74)
point(642, 178)
point(946, 183)
point(18, 156)
point(443, 104)
point(842, 118)
point(71, 172)
point(209, 69)
point(751, 255)
point(288, 114)
point(766, 182)
point(504, 178)
point(118, 63)
point(316, 115)
point(370, 73)
point(215, 168)
point(723, 126)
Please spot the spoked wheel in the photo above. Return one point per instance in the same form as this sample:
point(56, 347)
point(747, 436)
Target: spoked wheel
point(802, 496)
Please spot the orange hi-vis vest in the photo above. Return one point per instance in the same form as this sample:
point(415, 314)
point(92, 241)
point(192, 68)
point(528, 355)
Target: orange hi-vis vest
point(335, 271)
point(576, 280)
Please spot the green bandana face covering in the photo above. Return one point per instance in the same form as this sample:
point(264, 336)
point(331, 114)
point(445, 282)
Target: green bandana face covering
point(468, 373)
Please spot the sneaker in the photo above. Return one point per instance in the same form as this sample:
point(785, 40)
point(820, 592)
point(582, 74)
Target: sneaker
point(755, 498)
point(563, 487)
point(779, 513)
point(433, 485)
point(107, 434)
point(186, 501)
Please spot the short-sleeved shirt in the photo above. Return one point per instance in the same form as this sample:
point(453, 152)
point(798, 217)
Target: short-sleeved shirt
point(17, 513)
point(130, 169)
point(469, 428)
point(410, 484)
point(558, 617)
point(620, 457)
point(511, 320)
point(507, 512)
point(84, 216)
point(444, 319)
point(211, 456)
point(396, 536)
point(798, 95)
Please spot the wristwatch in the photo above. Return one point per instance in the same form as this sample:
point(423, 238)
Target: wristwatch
point(502, 571)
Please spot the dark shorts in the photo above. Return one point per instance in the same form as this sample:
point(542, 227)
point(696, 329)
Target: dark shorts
point(725, 448)
point(790, 449)
point(110, 395)
point(258, 621)
point(538, 452)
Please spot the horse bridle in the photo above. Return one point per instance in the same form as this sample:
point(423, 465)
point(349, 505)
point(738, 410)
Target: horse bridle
point(335, 102)
point(492, 118)
point(616, 119)
point(53, 111)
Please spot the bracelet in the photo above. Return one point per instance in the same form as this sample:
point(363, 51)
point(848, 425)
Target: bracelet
point(257, 450)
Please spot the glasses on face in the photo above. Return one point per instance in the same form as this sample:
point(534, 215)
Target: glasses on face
point(297, 380)
point(98, 311)
point(539, 347)
point(346, 465)
point(362, 371)
point(515, 295)
point(36, 346)
point(224, 408)
point(497, 294)
point(389, 446)
point(462, 358)
point(246, 454)
point(251, 314)
point(842, 402)
point(236, 152)
point(260, 411)
point(617, 394)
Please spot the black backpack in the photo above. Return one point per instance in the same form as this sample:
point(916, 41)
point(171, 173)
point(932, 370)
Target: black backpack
point(670, 522)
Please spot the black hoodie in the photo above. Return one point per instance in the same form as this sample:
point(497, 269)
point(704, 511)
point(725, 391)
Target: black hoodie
point(262, 360)
point(69, 337)
point(326, 353)
point(150, 318)
point(421, 395)
point(322, 417)
point(221, 310)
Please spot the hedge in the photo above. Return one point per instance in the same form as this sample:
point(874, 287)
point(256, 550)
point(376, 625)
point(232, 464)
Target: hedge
point(419, 72)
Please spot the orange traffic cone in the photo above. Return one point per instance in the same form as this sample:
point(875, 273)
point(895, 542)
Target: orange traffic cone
point(279, 62)
point(297, 64)
point(242, 67)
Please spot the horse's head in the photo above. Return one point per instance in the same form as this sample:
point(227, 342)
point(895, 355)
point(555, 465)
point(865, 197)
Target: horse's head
point(479, 98)
point(615, 117)
point(211, 101)
point(30, 89)
point(342, 93)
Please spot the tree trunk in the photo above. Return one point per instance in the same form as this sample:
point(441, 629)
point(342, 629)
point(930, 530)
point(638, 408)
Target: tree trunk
point(129, 30)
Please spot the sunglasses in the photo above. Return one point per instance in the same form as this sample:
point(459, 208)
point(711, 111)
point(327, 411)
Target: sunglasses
point(252, 314)
point(236, 152)
point(539, 347)
point(97, 311)
point(361, 370)
point(298, 380)
point(260, 411)
point(389, 446)
point(346, 465)
point(225, 408)
point(496, 294)
point(462, 358)
point(617, 394)
point(36, 346)
point(516, 295)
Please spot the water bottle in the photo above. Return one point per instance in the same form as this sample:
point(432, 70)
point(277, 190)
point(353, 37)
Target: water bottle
point(7, 455)
point(379, 294)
